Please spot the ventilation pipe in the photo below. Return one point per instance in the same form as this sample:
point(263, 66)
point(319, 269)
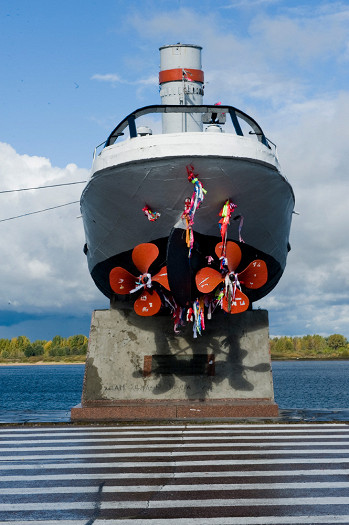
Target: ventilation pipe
point(181, 82)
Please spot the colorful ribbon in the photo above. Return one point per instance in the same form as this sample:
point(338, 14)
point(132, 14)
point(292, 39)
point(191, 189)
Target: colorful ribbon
point(192, 205)
point(152, 215)
point(225, 213)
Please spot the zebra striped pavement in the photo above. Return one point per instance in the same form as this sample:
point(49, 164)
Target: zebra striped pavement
point(194, 474)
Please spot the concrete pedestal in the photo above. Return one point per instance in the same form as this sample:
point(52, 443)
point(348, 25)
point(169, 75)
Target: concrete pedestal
point(137, 368)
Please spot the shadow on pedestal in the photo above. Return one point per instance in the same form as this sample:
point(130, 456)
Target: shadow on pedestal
point(138, 369)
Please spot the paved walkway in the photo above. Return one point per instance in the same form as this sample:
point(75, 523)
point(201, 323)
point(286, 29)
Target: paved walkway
point(228, 474)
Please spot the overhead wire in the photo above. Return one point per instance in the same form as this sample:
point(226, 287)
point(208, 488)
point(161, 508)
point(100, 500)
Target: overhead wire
point(39, 188)
point(42, 187)
point(39, 211)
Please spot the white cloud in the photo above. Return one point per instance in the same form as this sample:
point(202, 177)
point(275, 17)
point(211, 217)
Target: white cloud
point(316, 35)
point(113, 79)
point(42, 266)
point(108, 77)
point(250, 4)
point(313, 150)
point(282, 57)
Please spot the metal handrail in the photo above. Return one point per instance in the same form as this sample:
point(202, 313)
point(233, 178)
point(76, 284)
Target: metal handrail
point(96, 148)
point(129, 121)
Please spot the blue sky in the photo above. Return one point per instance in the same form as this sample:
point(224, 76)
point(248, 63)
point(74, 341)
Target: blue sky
point(71, 70)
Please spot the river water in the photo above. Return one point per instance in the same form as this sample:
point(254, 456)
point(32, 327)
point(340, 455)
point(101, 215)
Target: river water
point(304, 390)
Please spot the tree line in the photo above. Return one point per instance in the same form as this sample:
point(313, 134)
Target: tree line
point(21, 348)
point(334, 346)
point(74, 348)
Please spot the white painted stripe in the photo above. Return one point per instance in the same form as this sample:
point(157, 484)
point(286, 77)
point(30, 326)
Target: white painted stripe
point(48, 491)
point(115, 489)
point(146, 430)
point(76, 428)
point(170, 504)
point(186, 426)
point(211, 444)
point(174, 453)
point(177, 439)
point(238, 486)
point(177, 475)
point(260, 502)
point(264, 520)
point(151, 463)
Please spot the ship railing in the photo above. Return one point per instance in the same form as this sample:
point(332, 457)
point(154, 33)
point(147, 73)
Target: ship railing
point(98, 149)
point(210, 115)
point(270, 143)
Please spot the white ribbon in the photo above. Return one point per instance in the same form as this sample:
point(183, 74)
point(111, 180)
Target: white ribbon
point(141, 285)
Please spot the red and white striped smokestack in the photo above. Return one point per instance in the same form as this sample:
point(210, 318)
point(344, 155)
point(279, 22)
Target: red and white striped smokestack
point(181, 82)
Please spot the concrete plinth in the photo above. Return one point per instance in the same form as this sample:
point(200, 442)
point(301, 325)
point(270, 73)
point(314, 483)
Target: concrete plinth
point(137, 368)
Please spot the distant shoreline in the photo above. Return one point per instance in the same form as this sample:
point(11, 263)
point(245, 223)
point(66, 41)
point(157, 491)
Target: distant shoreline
point(73, 350)
point(40, 363)
point(43, 363)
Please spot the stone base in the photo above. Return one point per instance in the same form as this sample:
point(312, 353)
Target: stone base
point(137, 368)
point(177, 410)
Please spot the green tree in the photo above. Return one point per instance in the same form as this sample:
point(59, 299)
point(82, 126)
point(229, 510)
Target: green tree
point(319, 343)
point(22, 341)
point(38, 349)
point(5, 346)
point(76, 340)
point(47, 347)
point(34, 349)
point(57, 341)
point(66, 350)
point(16, 351)
point(28, 350)
point(288, 345)
point(336, 341)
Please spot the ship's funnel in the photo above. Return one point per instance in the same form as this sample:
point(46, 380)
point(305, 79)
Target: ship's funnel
point(181, 82)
